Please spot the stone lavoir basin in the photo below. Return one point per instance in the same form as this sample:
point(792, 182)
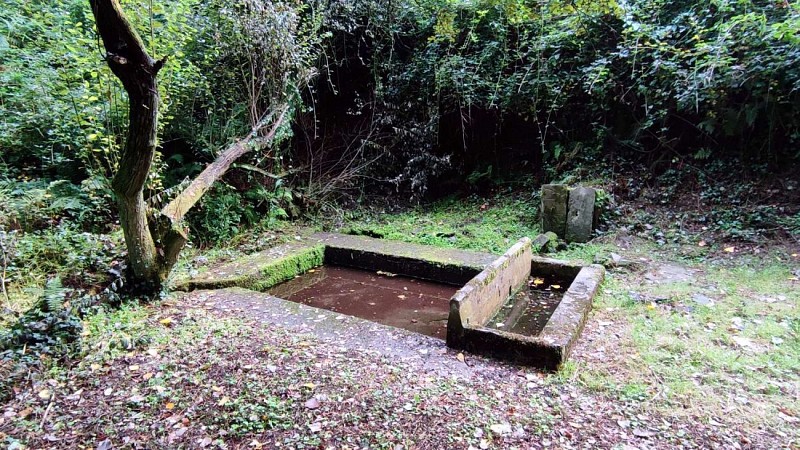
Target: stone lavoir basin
point(516, 307)
point(417, 305)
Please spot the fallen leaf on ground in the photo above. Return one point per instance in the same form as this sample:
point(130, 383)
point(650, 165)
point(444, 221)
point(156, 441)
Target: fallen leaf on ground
point(170, 406)
point(501, 428)
point(460, 357)
point(642, 433)
point(166, 321)
point(312, 403)
point(730, 249)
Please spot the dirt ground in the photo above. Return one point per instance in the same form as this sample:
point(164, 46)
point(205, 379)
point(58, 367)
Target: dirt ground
point(219, 369)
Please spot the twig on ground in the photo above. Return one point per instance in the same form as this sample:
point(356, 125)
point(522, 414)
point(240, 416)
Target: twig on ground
point(47, 411)
point(3, 273)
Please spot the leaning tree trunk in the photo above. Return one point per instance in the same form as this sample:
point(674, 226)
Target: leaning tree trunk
point(129, 61)
point(154, 239)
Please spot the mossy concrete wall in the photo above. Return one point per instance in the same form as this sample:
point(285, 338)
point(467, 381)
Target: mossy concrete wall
point(566, 324)
point(490, 281)
point(261, 270)
point(442, 265)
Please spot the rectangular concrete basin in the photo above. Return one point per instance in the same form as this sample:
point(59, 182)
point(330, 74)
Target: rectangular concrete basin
point(320, 272)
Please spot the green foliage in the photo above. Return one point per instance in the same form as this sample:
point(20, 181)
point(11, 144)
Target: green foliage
point(713, 79)
point(63, 111)
point(220, 215)
point(49, 327)
point(225, 211)
point(81, 259)
point(34, 205)
point(51, 112)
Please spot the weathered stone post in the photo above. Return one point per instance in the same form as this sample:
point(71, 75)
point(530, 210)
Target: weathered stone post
point(554, 208)
point(569, 213)
point(580, 214)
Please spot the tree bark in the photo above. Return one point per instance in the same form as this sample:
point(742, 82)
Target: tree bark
point(175, 238)
point(179, 206)
point(154, 241)
point(129, 61)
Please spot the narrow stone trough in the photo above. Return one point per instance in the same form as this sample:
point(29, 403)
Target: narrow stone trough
point(502, 312)
point(517, 307)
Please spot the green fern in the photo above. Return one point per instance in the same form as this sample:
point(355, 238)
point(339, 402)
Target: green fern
point(53, 296)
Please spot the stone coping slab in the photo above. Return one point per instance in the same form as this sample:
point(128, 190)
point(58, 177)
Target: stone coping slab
point(443, 265)
point(267, 268)
point(480, 299)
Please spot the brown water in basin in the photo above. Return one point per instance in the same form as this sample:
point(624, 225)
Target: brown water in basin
point(416, 305)
point(528, 311)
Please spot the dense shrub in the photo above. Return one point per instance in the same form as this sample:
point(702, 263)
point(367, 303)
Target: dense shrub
point(520, 85)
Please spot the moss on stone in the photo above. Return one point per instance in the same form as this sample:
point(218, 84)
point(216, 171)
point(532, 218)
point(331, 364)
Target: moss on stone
point(288, 267)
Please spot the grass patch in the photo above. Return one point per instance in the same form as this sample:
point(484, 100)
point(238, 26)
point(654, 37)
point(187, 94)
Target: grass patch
point(741, 350)
point(489, 225)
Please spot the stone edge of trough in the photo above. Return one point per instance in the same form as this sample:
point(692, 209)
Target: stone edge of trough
point(264, 269)
point(482, 296)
